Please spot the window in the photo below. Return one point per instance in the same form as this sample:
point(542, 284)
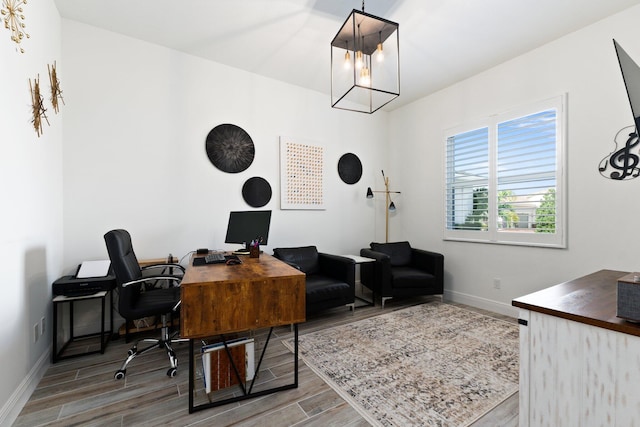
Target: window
point(505, 177)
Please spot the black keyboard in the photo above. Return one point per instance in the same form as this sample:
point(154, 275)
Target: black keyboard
point(214, 258)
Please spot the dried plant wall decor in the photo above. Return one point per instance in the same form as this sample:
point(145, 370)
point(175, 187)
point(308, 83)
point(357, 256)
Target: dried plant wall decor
point(13, 20)
point(37, 106)
point(56, 91)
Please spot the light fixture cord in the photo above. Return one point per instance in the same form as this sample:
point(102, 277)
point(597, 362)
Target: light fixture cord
point(362, 6)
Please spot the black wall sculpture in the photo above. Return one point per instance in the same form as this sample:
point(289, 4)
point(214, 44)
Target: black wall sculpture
point(230, 148)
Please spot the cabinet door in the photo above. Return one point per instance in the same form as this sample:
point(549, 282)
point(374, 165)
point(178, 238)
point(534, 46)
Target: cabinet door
point(573, 374)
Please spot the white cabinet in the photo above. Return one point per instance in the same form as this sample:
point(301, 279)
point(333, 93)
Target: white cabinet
point(576, 374)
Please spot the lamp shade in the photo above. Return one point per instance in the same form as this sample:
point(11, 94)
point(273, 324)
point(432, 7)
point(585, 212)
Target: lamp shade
point(372, 77)
point(392, 207)
point(369, 193)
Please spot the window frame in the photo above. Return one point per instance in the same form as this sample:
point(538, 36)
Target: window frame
point(493, 235)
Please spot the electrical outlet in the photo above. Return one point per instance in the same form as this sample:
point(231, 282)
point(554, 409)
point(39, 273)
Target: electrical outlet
point(36, 329)
point(496, 283)
point(42, 328)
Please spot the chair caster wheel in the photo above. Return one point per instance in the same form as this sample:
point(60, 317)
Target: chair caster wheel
point(132, 351)
point(120, 374)
point(172, 372)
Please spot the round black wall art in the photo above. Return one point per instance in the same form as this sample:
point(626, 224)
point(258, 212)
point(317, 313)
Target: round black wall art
point(350, 168)
point(256, 192)
point(230, 148)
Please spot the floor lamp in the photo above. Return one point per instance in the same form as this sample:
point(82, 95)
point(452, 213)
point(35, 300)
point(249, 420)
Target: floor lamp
point(391, 207)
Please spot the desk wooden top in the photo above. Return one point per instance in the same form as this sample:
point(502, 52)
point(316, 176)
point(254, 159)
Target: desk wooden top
point(260, 292)
point(591, 299)
point(265, 266)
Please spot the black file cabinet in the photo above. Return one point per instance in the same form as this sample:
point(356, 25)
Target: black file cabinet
point(104, 335)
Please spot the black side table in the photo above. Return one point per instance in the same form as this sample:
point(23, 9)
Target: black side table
point(104, 335)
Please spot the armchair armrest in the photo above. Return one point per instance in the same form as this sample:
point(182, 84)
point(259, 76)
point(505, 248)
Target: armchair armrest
point(378, 256)
point(376, 275)
point(338, 267)
point(431, 262)
point(292, 264)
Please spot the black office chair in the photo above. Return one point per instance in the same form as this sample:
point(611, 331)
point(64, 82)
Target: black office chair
point(142, 293)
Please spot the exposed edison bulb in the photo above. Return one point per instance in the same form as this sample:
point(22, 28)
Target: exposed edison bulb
point(347, 61)
point(380, 55)
point(359, 60)
point(365, 77)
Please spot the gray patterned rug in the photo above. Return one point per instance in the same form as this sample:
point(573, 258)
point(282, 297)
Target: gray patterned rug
point(428, 365)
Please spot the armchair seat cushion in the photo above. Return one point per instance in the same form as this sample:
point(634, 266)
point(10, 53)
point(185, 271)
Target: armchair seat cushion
point(409, 277)
point(323, 288)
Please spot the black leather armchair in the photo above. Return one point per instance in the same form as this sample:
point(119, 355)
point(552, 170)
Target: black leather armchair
point(330, 280)
point(400, 270)
point(143, 293)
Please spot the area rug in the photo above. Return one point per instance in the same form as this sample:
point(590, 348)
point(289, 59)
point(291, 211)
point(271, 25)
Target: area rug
point(429, 365)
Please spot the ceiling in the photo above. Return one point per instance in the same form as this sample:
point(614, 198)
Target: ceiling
point(441, 41)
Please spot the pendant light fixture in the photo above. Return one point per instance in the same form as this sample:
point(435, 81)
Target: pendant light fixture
point(365, 85)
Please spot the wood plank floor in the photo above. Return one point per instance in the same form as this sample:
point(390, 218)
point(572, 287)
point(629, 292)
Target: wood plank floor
point(83, 392)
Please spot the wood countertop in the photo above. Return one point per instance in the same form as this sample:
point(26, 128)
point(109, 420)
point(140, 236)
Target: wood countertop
point(591, 299)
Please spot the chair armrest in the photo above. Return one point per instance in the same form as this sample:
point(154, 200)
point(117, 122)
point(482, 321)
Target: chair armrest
point(338, 267)
point(376, 275)
point(378, 256)
point(431, 262)
point(165, 265)
point(152, 278)
point(292, 264)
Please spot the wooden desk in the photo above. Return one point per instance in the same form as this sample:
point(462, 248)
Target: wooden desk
point(218, 299)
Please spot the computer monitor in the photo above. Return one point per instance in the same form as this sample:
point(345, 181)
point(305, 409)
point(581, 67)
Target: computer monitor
point(247, 226)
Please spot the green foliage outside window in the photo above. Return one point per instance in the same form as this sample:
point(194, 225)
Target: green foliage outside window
point(505, 209)
point(546, 213)
point(479, 216)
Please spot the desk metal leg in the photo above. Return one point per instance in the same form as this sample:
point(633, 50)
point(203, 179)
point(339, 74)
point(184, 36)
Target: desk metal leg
point(192, 374)
point(102, 341)
point(246, 394)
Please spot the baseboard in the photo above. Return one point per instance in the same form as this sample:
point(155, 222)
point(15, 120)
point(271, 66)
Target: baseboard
point(11, 409)
point(483, 303)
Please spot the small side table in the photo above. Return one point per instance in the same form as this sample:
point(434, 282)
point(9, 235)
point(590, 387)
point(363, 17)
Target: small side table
point(361, 260)
point(104, 335)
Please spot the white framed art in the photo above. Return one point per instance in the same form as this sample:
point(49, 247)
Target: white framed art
point(301, 174)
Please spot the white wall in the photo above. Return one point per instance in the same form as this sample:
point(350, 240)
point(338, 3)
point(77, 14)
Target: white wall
point(31, 210)
point(602, 231)
point(136, 122)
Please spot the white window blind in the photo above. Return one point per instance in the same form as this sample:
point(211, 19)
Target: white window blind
point(467, 180)
point(505, 178)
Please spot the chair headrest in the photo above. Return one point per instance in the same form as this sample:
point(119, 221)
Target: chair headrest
point(123, 259)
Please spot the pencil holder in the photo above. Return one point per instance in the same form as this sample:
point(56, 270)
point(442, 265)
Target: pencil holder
point(254, 252)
